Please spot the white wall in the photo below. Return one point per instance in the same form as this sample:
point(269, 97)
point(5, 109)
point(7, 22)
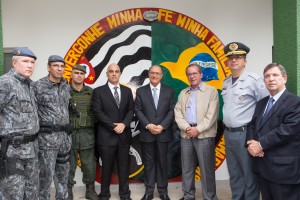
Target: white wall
point(51, 27)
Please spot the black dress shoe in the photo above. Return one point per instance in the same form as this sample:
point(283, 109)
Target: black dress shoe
point(147, 197)
point(164, 197)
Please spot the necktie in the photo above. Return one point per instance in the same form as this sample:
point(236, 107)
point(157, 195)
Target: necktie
point(155, 97)
point(116, 96)
point(269, 106)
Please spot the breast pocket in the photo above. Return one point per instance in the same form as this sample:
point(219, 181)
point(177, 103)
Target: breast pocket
point(25, 104)
point(242, 95)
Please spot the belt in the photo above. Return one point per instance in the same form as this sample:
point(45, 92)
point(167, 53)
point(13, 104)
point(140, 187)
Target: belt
point(236, 129)
point(56, 128)
point(18, 140)
point(193, 125)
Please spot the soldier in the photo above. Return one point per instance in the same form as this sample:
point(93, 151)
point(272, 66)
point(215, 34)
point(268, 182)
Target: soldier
point(18, 130)
point(52, 95)
point(83, 137)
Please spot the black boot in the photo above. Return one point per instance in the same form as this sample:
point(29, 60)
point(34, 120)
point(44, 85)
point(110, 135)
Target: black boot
point(70, 193)
point(90, 192)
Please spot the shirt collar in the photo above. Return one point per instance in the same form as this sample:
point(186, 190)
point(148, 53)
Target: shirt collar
point(198, 87)
point(157, 87)
point(111, 86)
point(278, 95)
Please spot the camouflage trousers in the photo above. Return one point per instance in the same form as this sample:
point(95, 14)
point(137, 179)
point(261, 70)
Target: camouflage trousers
point(19, 187)
point(87, 164)
point(52, 165)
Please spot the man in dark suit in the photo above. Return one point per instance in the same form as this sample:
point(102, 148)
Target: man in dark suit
point(154, 109)
point(113, 108)
point(273, 138)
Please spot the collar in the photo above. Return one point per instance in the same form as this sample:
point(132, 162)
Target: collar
point(111, 86)
point(199, 87)
point(157, 87)
point(278, 95)
point(83, 88)
point(18, 76)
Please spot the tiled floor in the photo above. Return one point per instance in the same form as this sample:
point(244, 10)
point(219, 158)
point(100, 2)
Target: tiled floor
point(137, 191)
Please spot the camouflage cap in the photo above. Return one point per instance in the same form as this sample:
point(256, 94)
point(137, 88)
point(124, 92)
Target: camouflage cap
point(80, 68)
point(23, 51)
point(236, 48)
point(55, 58)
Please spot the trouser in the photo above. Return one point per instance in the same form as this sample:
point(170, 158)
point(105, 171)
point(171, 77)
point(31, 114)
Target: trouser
point(243, 182)
point(54, 163)
point(277, 191)
point(110, 154)
point(21, 187)
point(88, 166)
point(201, 151)
point(155, 162)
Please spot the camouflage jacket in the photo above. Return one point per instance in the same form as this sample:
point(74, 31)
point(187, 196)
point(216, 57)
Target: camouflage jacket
point(18, 112)
point(53, 104)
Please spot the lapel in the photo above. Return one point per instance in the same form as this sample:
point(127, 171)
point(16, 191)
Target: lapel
point(274, 109)
point(161, 96)
point(110, 95)
point(123, 95)
point(149, 96)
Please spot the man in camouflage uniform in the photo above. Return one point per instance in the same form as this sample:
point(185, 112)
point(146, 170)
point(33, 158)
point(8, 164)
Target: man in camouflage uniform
point(53, 93)
point(18, 130)
point(83, 137)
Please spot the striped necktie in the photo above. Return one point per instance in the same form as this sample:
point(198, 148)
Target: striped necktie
point(116, 96)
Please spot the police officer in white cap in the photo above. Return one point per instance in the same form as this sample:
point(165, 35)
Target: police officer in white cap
point(241, 91)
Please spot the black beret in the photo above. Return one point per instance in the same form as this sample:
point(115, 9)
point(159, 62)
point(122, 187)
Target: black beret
point(236, 48)
point(55, 58)
point(24, 51)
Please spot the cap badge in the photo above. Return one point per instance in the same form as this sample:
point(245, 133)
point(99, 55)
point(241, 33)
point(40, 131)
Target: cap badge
point(18, 52)
point(233, 46)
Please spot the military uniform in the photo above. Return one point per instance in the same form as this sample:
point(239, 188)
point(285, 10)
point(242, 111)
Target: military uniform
point(83, 136)
point(54, 139)
point(240, 98)
point(18, 129)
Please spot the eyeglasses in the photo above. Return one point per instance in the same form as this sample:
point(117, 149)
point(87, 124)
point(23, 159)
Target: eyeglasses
point(155, 73)
point(79, 73)
point(236, 57)
point(58, 65)
point(192, 74)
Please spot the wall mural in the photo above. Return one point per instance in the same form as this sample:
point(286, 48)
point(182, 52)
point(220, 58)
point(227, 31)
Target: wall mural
point(137, 38)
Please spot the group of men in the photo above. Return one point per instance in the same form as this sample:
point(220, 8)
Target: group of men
point(45, 125)
point(35, 130)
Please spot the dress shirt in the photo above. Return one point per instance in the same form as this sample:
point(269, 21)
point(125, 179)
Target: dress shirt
point(112, 89)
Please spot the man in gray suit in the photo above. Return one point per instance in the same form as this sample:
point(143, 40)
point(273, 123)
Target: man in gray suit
point(154, 109)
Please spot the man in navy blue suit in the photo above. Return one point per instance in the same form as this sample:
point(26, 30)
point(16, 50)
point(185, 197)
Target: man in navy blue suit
point(155, 110)
point(273, 138)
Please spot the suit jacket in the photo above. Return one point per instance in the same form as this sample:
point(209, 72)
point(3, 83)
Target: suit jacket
point(106, 112)
point(163, 115)
point(279, 137)
point(207, 111)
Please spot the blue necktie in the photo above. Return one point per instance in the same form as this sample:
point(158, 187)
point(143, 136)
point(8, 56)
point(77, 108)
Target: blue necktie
point(269, 106)
point(155, 97)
